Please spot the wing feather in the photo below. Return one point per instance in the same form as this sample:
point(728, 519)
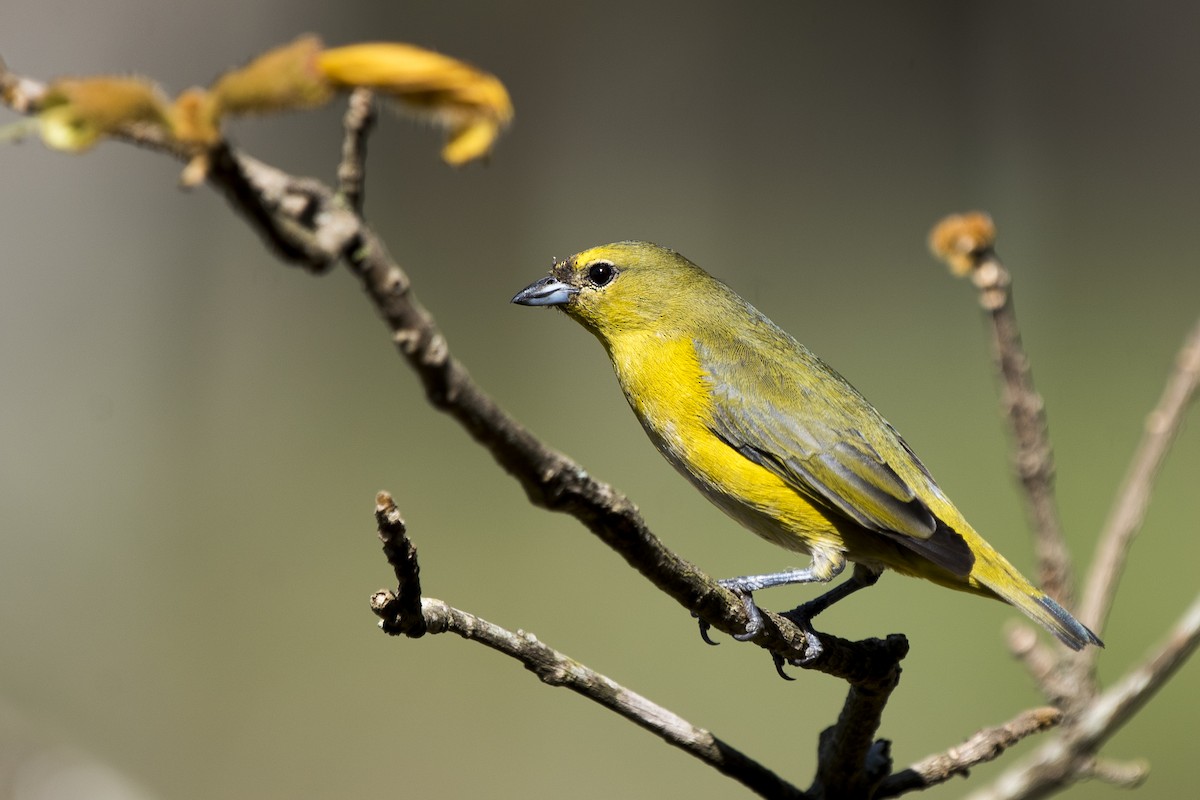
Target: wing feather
point(819, 448)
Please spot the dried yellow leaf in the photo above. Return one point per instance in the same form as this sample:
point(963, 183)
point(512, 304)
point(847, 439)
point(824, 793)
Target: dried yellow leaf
point(470, 142)
point(471, 104)
point(281, 79)
point(76, 112)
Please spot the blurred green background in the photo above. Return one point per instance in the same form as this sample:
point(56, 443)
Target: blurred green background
point(191, 435)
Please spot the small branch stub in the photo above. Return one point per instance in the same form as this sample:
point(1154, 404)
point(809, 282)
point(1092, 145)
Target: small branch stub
point(399, 613)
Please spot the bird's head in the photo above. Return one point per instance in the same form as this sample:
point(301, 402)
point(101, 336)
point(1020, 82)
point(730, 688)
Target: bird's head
point(623, 288)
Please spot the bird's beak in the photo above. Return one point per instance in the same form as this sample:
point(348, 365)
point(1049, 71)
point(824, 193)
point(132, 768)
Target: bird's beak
point(549, 291)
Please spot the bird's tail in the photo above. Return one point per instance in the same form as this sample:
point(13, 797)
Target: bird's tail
point(993, 571)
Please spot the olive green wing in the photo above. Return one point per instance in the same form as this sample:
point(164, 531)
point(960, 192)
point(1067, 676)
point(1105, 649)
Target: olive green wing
point(806, 424)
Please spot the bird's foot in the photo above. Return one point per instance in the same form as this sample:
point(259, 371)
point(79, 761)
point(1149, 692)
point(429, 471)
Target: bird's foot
point(801, 616)
point(754, 619)
point(811, 651)
point(780, 662)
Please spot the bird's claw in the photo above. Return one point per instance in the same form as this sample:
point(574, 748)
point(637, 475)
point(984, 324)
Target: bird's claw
point(812, 651)
point(779, 663)
point(754, 618)
point(705, 627)
point(752, 629)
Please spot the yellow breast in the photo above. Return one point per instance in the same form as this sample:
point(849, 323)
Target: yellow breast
point(670, 394)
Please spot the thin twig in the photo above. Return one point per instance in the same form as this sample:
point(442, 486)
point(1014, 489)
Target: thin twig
point(986, 745)
point(1129, 510)
point(557, 669)
point(352, 173)
point(966, 242)
point(1126, 697)
point(401, 616)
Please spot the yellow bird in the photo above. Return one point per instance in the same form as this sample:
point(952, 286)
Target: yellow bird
point(774, 437)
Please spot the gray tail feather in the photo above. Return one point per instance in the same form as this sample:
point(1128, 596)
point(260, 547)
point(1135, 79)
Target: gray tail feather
point(1070, 631)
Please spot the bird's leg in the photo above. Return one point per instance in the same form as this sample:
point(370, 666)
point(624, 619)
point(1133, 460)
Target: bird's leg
point(802, 614)
point(825, 567)
point(861, 578)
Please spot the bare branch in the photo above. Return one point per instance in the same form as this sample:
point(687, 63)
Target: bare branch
point(358, 122)
point(399, 614)
point(966, 243)
point(1070, 756)
point(1125, 520)
point(986, 745)
point(850, 762)
point(1122, 700)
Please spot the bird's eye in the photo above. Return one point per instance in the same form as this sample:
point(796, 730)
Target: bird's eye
point(601, 273)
